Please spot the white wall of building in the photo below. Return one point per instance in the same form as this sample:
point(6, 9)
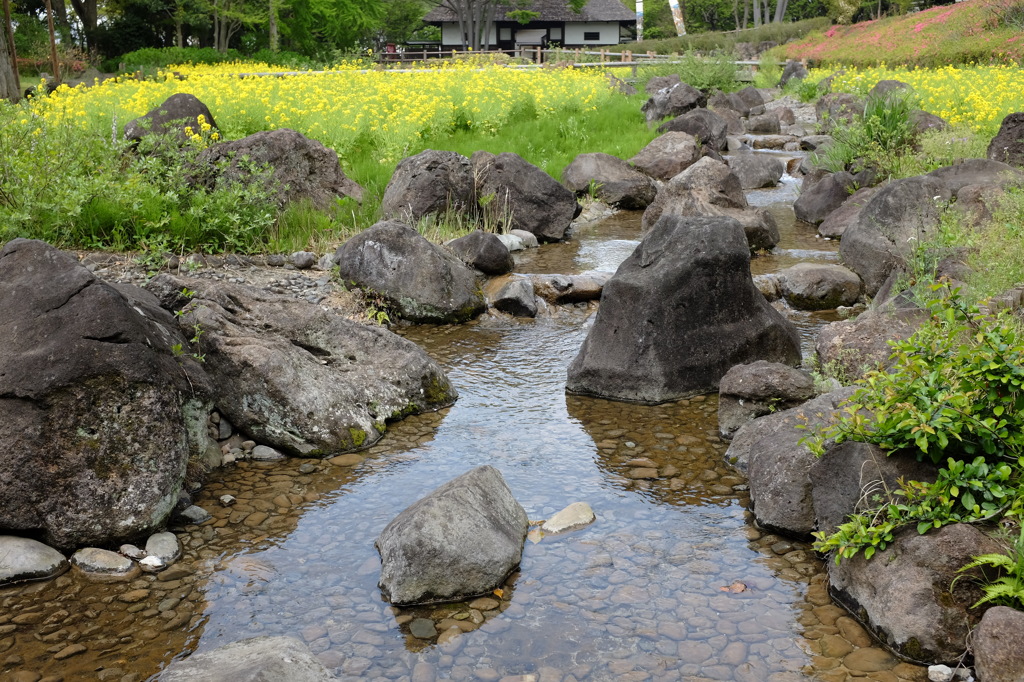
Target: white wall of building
point(451, 35)
point(608, 33)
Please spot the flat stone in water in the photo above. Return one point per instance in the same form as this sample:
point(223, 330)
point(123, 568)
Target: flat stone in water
point(264, 453)
point(484, 604)
point(163, 546)
point(349, 460)
point(25, 559)
point(576, 515)
point(95, 560)
point(423, 628)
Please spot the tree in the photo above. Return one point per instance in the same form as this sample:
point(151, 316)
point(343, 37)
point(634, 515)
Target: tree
point(9, 86)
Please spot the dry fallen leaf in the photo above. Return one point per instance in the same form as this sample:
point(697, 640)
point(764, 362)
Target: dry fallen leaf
point(535, 535)
point(499, 593)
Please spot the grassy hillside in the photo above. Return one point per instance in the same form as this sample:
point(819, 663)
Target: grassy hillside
point(978, 31)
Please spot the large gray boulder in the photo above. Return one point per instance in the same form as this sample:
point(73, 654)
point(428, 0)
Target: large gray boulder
point(901, 215)
point(672, 101)
point(615, 181)
point(905, 595)
point(1008, 144)
point(759, 388)
point(299, 378)
point(848, 349)
point(852, 477)
point(819, 286)
point(977, 172)
point(678, 313)
point(483, 251)
point(708, 128)
point(429, 183)
point(764, 124)
point(98, 417)
point(423, 282)
point(835, 224)
point(300, 167)
point(710, 188)
point(179, 111)
point(818, 200)
point(23, 559)
point(793, 70)
point(667, 155)
point(998, 645)
point(521, 196)
point(778, 464)
point(259, 659)
point(461, 540)
point(757, 170)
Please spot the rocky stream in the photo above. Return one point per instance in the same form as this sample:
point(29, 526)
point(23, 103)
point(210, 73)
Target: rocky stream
point(673, 581)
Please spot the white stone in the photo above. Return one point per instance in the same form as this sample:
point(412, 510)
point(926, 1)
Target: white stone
point(95, 560)
point(25, 559)
point(227, 500)
point(512, 242)
point(152, 564)
point(164, 546)
point(576, 515)
point(529, 238)
point(132, 552)
point(265, 453)
point(940, 673)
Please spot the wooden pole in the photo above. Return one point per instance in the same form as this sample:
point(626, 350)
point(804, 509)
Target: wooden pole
point(53, 44)
point(10, 43)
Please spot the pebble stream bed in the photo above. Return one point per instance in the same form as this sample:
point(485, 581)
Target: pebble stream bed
point(672, 582)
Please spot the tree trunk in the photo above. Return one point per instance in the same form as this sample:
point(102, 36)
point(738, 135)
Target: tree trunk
point(10, 88)
point(746, 13)
point(780, 10)
point(757, 13)
point(272, 28)
point(86, 11)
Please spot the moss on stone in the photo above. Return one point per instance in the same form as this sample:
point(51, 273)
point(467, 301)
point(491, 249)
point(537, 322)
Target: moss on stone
point(358, 436)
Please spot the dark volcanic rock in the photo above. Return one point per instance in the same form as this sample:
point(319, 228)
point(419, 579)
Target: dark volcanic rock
point(757, 170)
point(817, 201)
point(179, 111)
point(666, 156)
point(679, 312)
point(793, 70)
point(835, 223)
point(483, 251)
point(97, 416)
point(301, 168)
point(1008, 144)
point(849, 348)
point(903, 213)
point(616, 182)
point(432, 182)
point(423, 282)
point(999, 645)
point(673, 101)
point(819, 286)
point(461, 540)
point(750, 391)
point(299, 378)
point(514, 191)
point(777, 464)
point(852, 477)
point(708, 128)
point(904, 593)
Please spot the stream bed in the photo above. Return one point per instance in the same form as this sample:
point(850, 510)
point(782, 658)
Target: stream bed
point(671, 582)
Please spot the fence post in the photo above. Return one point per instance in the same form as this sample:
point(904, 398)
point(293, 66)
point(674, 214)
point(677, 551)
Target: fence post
point(602, 55)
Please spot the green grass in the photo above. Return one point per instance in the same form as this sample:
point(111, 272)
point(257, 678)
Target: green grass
point(725, 41)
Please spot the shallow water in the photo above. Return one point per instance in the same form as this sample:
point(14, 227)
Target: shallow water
point(671, 582)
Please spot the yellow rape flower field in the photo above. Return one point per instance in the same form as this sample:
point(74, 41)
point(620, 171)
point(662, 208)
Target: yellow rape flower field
point(345, 108)
point(978, 97)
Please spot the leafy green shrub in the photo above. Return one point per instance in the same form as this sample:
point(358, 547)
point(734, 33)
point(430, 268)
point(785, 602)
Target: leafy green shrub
point(955, 395)
point(881, 138)
point(965, 492)
point(956, 389)
point(725, 41)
